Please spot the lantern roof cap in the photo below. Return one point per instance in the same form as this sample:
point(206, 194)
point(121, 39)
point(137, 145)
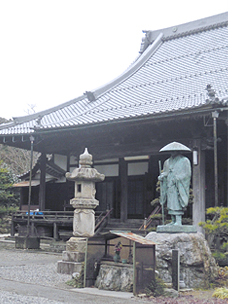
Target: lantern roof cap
point(85, 159)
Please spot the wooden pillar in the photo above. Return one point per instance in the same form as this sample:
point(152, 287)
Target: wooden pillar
point(42, 182)
point(55, 231)
point(226, 122)
point(123, 173)
point(198, 179)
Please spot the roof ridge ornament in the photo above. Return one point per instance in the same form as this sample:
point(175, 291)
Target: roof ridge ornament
point(211, 94)
point(90, 95)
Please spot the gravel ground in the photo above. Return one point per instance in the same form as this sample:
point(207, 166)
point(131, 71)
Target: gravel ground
point(28, 276)
point(39, 268)
point(32, 268)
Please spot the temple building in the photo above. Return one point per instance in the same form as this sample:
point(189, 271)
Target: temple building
point(175, 90)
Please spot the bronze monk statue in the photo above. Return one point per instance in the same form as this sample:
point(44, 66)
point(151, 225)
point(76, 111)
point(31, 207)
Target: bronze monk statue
point(175, 181)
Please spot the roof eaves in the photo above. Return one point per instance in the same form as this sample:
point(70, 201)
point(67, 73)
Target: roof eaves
point(7, 125)
point(39, 115)
point(202, 110)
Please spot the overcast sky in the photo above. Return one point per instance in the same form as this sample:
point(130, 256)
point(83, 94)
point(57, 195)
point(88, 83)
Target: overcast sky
point(53, 51)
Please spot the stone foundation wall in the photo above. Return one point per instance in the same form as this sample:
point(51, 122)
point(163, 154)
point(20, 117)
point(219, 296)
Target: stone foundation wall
point(197, 266)
point(115, 276)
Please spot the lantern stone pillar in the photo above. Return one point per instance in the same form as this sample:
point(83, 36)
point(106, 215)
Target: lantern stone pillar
point(84, 202)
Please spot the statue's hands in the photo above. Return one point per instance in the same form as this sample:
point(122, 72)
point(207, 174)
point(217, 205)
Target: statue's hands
point(162, 176)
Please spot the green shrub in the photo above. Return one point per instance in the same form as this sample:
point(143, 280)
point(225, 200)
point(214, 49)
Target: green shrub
point(77, 282)
point(221, 258)
point(221, 293)
point(9, 196)
point(216, 233)
point(156, 216)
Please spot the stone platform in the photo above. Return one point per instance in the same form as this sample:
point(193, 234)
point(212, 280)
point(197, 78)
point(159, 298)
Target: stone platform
point(197, 266)
point(176, 229)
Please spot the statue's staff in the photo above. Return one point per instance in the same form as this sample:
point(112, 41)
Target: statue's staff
point(162, 204)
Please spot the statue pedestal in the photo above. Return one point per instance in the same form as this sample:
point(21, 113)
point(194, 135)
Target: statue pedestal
point(197, 266)
point(73, 257)
point(176, 229)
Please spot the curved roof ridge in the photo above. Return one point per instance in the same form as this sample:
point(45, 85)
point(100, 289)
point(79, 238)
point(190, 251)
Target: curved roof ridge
point(189, 28)
point(97, 92)
point(195, 31)
point(132, 68)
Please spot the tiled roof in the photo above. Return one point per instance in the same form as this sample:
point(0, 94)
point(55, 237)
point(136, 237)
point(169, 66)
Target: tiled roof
point(170, 75)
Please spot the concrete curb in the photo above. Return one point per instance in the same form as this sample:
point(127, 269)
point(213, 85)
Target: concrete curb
point(105, 293)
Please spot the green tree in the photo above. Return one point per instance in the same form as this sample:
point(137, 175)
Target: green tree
point(9, 196)
point(216, 233)
point(17, 160)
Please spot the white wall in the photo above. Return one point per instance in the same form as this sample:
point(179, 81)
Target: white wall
point(139, 168)
point(108, 170)
point(61, 161)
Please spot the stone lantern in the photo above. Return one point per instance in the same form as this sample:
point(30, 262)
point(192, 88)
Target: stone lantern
point(84, 201)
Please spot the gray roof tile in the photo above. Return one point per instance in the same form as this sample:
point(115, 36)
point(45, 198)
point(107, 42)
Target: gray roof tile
point(170, 75)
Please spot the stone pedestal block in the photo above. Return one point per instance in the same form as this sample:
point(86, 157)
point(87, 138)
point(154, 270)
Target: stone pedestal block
point(84, 222)
point(73, 257)
point(197, 266)
point(68, 267)
point(76, 244)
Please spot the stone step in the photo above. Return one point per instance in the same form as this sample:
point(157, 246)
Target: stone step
point(68, 267)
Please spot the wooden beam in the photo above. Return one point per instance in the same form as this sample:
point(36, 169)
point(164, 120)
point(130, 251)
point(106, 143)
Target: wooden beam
point(42, 182)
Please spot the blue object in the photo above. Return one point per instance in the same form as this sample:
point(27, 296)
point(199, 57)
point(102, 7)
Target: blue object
point(35, 213)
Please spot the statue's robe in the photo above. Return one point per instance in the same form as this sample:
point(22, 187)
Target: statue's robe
point(175, 184)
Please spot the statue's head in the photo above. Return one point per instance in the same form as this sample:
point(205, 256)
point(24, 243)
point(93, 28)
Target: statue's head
point(175, 153)
point(175, 148)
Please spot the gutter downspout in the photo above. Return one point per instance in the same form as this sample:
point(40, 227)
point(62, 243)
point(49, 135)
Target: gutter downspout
point(215, 115)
